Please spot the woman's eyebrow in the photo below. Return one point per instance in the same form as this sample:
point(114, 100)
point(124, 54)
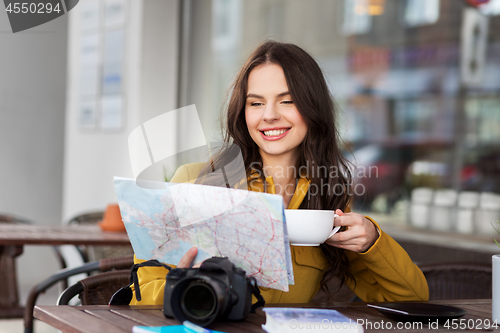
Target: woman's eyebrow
point(259, 96)
point(255, 96)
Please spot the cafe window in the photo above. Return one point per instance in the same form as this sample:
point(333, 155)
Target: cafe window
point(397, 90)
point(357, 19)
point(414, 118)
point(225, 27)
point(424, 118)
point(491, 8)
point(483, 121)
point(421, 12)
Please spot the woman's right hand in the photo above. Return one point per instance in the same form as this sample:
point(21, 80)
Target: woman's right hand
point(188, 258)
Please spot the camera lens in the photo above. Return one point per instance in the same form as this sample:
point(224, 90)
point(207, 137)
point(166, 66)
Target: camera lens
point(198, 301)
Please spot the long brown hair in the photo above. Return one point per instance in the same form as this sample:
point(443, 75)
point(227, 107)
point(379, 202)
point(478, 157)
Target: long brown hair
point(320, 158)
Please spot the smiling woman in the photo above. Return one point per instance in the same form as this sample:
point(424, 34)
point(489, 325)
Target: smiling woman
point(281, 115)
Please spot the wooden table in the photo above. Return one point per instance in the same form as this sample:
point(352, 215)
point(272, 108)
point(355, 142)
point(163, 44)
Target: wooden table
point(121, 319)
point(13, 237)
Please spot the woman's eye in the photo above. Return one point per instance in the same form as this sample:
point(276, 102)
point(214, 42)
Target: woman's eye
point(287, 102)
point(256, 104)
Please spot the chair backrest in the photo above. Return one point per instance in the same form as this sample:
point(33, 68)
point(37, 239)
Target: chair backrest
point(7, 218)
point(457, 280)
point(112, 265)
point(96, 289)
point(87, 218)
point(98, 252)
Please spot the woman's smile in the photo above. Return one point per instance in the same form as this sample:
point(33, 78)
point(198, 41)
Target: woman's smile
point(274, 134)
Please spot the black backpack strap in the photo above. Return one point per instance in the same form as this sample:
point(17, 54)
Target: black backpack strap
point(135, 280)
point(256, 292)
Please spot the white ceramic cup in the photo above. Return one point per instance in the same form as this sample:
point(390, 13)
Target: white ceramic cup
point(309, 227)
point(495, 288)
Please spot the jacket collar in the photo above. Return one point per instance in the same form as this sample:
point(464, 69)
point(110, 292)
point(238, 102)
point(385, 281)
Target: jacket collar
point(255, 184)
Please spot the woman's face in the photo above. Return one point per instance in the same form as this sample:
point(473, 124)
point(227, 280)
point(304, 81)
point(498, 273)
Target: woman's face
point(273, 121)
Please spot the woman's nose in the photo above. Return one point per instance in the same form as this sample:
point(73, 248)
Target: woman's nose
point(270, 113)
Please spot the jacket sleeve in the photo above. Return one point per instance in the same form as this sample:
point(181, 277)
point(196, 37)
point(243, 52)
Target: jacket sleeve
point(385, 272)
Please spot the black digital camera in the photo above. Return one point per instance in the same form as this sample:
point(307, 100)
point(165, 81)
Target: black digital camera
point(216, 290)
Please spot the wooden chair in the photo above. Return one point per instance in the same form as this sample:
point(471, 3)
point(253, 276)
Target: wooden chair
point(84, 219)
point(90, 253)
point(96, 289)
point(121, 265)
point(457, 280)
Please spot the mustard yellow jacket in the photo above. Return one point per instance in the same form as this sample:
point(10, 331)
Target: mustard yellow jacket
point(383, 273)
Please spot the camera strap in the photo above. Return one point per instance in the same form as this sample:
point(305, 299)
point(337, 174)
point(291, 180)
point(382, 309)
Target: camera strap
point(256, 292)
point(135, 280)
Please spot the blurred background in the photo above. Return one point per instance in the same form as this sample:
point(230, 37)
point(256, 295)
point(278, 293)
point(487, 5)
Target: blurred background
point(416, 83)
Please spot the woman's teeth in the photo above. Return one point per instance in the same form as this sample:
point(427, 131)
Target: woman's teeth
point(275, 132)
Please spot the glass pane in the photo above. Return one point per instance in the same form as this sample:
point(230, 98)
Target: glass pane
point(420, 133)
point(421, 12)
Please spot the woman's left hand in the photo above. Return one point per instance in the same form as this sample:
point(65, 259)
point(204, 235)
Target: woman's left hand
point(360, 235)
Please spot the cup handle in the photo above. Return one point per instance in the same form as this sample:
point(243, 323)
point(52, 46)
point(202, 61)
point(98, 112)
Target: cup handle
point(335, 229)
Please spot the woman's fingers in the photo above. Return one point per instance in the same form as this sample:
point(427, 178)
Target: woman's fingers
point(188, 258)
point(359, 235)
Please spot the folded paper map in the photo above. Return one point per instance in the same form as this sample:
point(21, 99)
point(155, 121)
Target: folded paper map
point(163, 222)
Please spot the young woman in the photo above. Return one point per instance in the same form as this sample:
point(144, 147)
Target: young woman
point(281, 115)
